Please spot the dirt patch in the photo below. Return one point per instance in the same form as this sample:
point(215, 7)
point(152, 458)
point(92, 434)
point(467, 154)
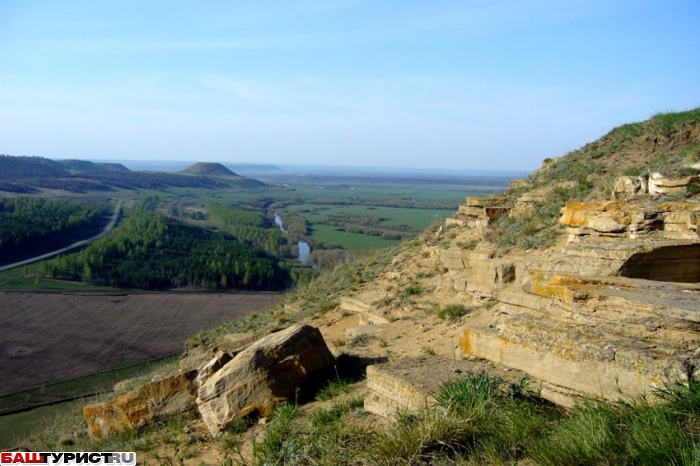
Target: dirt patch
point(48, 337)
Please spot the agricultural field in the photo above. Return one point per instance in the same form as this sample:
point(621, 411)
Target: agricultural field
point(350, 241)
point(338, 208)
point(51, 336)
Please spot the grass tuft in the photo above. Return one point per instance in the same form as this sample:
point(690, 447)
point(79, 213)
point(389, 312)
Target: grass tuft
point(452, 311)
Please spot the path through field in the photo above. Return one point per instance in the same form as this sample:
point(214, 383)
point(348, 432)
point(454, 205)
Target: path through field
point(51, 336)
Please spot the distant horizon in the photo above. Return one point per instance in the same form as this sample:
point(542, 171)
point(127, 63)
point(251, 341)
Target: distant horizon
point(450, 85)
point(314, 168)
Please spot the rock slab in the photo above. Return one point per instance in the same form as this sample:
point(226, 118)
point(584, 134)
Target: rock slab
point(412, 383)
point(169, 395)
point(263, 375)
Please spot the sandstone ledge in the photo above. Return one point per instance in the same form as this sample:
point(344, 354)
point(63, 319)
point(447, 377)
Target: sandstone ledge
point(411, 383)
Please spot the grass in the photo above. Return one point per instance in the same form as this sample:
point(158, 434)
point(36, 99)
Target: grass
point(20, 278)
point(480, 419)
point(452, 311)
point(350, 241)
point(539, 230)
point(316, 298)
point(333, 389)
point(608, 157)
point(667, 123)
point(417, 219)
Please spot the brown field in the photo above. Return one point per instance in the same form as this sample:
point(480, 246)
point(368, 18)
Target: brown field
point(50, 336)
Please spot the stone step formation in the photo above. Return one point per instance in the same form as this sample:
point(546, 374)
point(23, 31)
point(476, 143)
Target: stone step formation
point(613, 312)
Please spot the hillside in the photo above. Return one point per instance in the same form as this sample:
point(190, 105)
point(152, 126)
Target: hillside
point(581, 282)
point(79, 165)
point(205, 168)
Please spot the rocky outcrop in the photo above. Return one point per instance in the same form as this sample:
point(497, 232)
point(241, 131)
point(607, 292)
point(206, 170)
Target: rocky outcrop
point(480, 211)
point(604, 337)
point(644, 219)
point(164, 397)
point(476, 272)
point(233, 378)
point(263, 375)
point(613, 312)
point(653, 184)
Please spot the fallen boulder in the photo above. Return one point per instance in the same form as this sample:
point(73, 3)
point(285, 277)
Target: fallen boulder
point(261, 376)
point(164, 397)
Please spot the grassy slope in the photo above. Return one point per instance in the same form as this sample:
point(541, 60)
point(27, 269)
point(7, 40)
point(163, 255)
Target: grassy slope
point(666, 143)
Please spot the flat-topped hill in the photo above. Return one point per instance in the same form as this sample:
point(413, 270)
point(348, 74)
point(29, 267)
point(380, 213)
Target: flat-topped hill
point(208, 168)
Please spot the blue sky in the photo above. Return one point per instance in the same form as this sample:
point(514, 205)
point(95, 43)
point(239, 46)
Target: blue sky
point(493, 84)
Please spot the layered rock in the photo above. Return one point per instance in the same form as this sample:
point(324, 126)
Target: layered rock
point(479, 211)
point(666, 220)
point(241, 379)
point(168, 395)
point(263, 375)
point(607, 337)
point(614, 312)
point(654, 184)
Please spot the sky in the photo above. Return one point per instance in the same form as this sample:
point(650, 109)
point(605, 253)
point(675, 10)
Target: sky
point(463, 84)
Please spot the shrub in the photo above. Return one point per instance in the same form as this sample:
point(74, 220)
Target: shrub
point(452, 311)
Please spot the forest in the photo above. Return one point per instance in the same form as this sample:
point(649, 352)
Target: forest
point(30, 226)
point(255, 228)
point(153, 252)
point(250, 226)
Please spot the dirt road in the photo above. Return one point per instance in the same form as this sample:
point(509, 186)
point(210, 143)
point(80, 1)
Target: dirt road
point(75, 245)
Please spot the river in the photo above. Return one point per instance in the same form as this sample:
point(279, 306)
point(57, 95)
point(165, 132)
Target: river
point(303, 246)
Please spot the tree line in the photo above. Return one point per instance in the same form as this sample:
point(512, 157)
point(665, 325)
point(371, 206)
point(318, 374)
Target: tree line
point(30, 226)
point(154, 252)
point(251, 227)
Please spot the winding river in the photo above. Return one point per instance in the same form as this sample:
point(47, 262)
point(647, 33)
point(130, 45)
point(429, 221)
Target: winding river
point(304, 248)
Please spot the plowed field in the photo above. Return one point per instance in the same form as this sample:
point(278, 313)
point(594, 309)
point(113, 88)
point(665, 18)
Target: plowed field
point(46, 337)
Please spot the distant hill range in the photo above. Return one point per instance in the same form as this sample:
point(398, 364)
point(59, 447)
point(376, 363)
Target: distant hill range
point(26, 175)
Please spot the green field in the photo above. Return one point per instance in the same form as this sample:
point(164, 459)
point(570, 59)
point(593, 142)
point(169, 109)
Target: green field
point(418, 219)
point(349, 241)
point(15, 279)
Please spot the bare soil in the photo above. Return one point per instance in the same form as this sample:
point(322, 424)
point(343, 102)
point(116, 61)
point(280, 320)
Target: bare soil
point(51, 336)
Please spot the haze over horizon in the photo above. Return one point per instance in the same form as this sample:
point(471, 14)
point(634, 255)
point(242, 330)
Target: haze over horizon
point(482, 85)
